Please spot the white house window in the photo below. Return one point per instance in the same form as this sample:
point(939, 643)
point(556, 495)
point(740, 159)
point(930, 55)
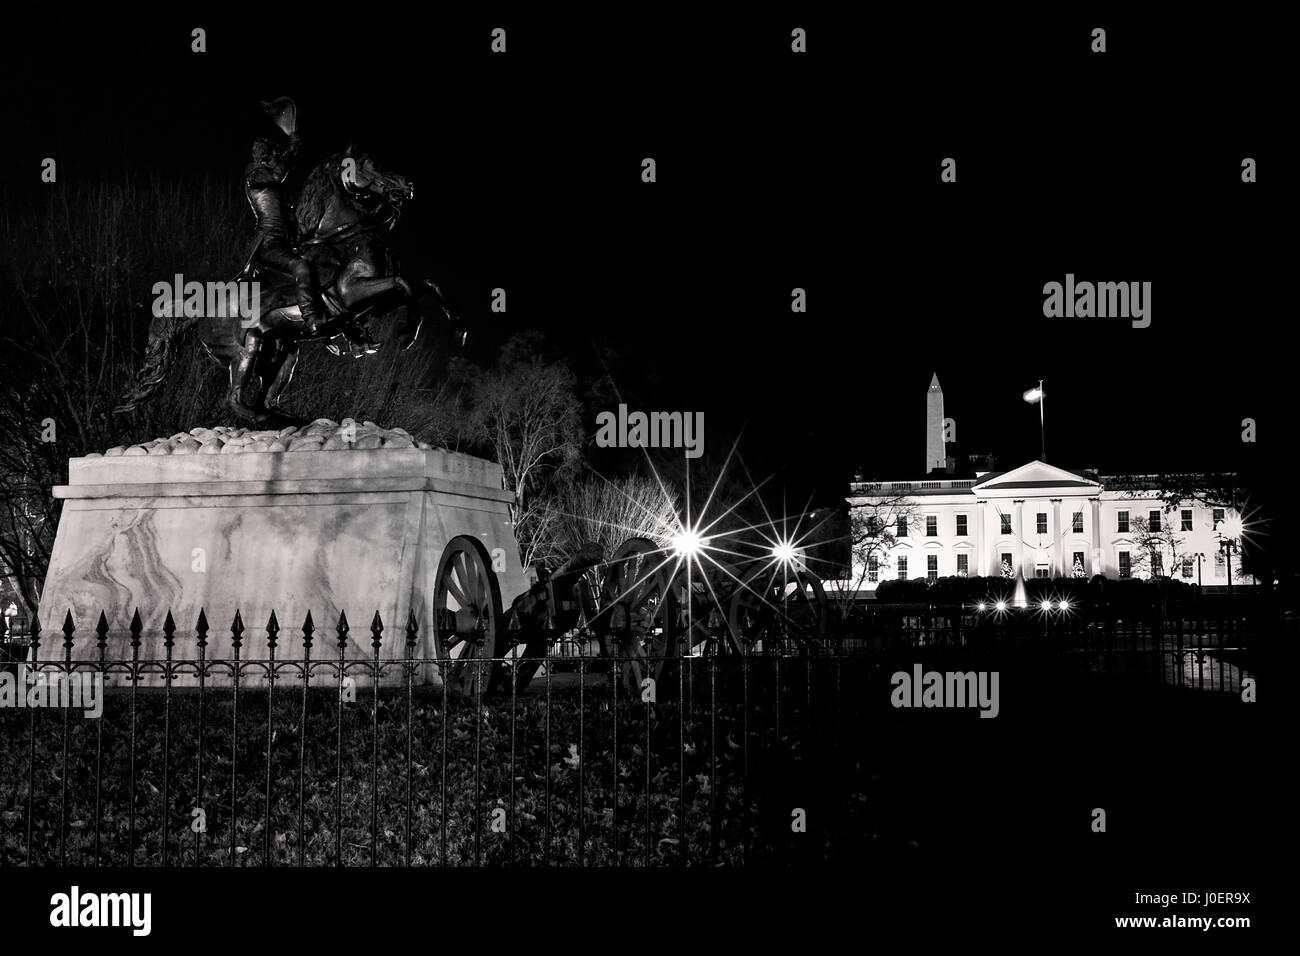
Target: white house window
point(1217, 516)
point(1220, 566)
point(1121, 522)
point(931, 526)
point(1187, 519)
point(1125, 562)
point(1042, 522)
point(902, 526)
point(961, 524)
point(963, 565)
point(873, 568)
point(1157, 565)
point(1187, 565)
point(1008, 569)
point(932, 567)
point(1076, 565)
point(1006, 524)
point(1153, 522)
point(1077, 526)
point(1042, 571)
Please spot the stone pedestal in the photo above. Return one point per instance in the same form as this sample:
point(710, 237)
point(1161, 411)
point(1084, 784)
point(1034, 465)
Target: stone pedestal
point(355, 530)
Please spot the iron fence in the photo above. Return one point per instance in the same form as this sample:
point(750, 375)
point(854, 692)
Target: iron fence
point(285, 761)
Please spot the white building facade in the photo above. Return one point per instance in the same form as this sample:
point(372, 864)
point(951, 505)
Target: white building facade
point(1036, 520)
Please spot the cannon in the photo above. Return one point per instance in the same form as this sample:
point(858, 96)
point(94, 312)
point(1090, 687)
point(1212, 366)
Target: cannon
point(647, 606)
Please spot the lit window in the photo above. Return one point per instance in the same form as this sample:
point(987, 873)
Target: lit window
point(873, 568)
point(902, 568)
point(1187, 565)
point(963, 565)
point(1218, 516)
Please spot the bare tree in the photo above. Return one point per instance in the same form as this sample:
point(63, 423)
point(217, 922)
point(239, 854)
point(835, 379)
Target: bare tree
point(874, 528)
point(526, 410)
point(1159, 550)
point(609, 511)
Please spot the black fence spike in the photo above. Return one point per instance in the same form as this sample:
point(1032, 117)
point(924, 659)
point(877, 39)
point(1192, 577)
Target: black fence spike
point(201, 628)
point(169, 630)
point(376, 628)
point(136, 627)
point(343, 628)
point(272, 629)
point(308, 628)
point(236, 630)
point(412, 628)
point(36, 625)
point(68, 628)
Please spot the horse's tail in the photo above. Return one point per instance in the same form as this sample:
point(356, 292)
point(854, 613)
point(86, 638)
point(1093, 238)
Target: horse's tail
point(164, 331)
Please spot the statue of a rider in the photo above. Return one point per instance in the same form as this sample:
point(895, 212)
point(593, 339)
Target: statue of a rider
point(272, 245)
point(264, 181)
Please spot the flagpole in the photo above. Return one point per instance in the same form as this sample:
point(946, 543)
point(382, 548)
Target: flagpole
point(1042, 428)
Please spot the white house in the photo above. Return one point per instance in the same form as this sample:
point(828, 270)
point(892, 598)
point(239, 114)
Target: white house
point(1037, 520)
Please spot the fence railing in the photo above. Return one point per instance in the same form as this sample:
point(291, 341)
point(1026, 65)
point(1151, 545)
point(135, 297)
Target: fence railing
point(286, 761)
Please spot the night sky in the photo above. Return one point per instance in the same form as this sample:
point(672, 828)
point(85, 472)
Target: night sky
point(777, 171)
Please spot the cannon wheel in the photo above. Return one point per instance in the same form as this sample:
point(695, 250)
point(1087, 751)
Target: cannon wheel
point(466, 616)
point(631, 621)
point(774, 607)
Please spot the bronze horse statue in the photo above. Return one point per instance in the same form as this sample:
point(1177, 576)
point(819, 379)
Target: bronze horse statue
point(345, 209)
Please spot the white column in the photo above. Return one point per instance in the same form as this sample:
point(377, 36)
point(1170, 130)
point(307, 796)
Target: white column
point(1098, 566)
point(1019, 529)
point(981, 560)
point(1058, 542)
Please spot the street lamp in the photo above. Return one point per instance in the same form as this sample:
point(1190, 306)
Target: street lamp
point(1229, 531)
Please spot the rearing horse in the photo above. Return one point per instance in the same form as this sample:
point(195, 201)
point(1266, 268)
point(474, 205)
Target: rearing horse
point(345, 210)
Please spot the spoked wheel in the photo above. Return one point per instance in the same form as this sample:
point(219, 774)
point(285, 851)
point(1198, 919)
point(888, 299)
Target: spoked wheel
point(777, 610)
point(630, 621)
point(466, 616)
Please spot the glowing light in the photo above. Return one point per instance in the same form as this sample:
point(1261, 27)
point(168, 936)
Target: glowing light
point(1001, 605)
point(1231, 528)
point(784, 552)
point(1046, 605)
point(1065, 605)
point(980, 606)
point(687, 543)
